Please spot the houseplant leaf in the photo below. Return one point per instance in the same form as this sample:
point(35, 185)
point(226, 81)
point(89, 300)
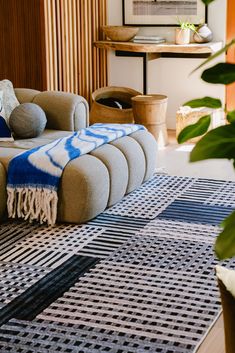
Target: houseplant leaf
point(186, 25)
point(204, 102)
point(207, 2)
point(220, 73)
point(217, 143)
point(195, 130)
point(225, 242)
point(231, 117)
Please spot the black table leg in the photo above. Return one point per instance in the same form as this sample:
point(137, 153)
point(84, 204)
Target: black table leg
point(145, 73)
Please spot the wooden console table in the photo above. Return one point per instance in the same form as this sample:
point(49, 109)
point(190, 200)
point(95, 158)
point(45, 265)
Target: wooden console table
point(156, 51)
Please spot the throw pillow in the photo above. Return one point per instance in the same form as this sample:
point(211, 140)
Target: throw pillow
point(9, 98)
point(27, 120)
point(5, 132)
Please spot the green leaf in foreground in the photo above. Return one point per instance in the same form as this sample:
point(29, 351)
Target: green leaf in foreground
point(231, 117)
point(195, 130)
point(207, 102)
point(225, 242)
point(217, 143)
point(223, 73)
point(215, 55)
point(207, 2)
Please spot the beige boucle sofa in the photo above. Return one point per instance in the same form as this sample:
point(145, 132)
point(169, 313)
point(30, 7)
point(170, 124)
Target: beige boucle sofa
point(91, 182)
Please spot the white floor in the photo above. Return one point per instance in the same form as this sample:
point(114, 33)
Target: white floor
point(174, 160)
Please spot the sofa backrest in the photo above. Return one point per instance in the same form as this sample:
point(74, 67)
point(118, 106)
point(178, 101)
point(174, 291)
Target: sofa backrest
point(64, 111)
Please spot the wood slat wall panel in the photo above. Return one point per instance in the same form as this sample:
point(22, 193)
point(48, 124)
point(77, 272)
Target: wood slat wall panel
point(59, 45)
point(73, 63)
point(22, 55)
point(49, 44)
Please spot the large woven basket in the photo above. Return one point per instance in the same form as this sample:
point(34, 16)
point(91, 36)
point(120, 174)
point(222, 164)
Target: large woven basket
point(103, 114)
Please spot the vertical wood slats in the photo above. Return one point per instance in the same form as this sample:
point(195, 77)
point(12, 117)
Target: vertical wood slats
point(73, 63)
point(22, 38)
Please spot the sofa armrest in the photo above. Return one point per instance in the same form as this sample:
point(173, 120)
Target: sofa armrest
point(64, 111)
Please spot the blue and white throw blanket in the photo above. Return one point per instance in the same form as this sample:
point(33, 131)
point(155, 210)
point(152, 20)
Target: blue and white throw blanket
point(34, 175)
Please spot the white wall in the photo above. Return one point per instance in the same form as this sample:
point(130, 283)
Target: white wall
point(169, 76)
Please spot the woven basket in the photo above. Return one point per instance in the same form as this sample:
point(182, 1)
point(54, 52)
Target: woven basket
point(103, 114)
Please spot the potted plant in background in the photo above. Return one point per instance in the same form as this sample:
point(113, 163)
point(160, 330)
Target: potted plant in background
point(182, 33)
point(218, 143)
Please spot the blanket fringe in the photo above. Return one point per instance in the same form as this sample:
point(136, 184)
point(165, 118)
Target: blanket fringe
point(32, 204)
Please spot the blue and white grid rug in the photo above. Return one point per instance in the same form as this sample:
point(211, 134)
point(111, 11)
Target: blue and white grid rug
point(138, 278)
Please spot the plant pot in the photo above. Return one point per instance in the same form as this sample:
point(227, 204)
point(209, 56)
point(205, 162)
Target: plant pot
point(226, 282)
point(203, 34)
point(182, 36)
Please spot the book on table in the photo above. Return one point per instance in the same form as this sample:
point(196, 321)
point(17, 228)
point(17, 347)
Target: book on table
point(149, 39)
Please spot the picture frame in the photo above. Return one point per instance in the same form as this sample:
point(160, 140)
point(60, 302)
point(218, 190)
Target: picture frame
point(162, 12)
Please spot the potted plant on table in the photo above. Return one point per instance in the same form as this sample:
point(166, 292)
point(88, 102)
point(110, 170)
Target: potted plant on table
point(182, 33)
point(218, 143)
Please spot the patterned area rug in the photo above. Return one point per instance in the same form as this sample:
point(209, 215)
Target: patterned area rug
point(138, 278)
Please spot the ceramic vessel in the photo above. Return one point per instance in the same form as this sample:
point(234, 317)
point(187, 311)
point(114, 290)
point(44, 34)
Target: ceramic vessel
point(203, 34)
point(182, 36)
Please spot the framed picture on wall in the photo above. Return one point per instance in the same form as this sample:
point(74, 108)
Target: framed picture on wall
point(162, 12)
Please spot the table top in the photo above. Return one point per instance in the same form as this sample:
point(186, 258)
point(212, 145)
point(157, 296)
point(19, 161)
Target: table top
point(192, 48)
